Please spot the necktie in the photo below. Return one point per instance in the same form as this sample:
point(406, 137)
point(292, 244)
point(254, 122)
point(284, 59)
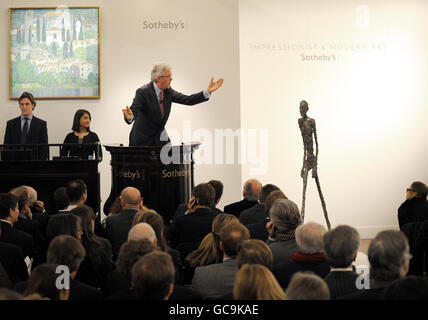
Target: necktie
point(161, 103)
point(24, 132)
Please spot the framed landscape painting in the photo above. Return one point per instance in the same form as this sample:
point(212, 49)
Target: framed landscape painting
point(54, 53)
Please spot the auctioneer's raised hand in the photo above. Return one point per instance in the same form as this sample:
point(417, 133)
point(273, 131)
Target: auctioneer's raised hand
point(213, 86)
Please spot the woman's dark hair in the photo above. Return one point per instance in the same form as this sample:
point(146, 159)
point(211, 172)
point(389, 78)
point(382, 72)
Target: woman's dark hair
point(205, 194)
point(76, 121)
point(42, 281)
point(90, 242)
point(63, 224)
point(155, 220)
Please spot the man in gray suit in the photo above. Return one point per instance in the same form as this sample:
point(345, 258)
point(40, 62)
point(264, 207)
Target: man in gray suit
point(216, 280)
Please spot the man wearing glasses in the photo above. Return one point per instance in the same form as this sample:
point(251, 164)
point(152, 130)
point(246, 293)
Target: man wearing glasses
point(151, 106)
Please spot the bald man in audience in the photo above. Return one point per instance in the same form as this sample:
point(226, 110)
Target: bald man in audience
point(142, 231)
point(118, 226)
point(251, 193)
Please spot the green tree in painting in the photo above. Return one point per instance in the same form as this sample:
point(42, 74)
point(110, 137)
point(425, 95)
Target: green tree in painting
point(92, 54)
point(38, 29)
point(24, 72)
point(46, 78)
point(54, 48)
point(92, 79)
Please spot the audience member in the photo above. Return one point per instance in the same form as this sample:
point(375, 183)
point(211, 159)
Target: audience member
point(250, 192)
point(258, 230)
point(216, 280)
point(307, 286)
point(153, 276)
point(415, 208)
point(407, 288)
point(143, 231)
point(64, 224)
point(97, 263)
point(256, 282)
point(37, 208)
point(42, 284)
point(254, 252)
point(77, 193)
point(257, 213)
point(116, 207)
point(341, 247)
point(389, 260)
point(9, 213)
point(61, 200)
point(155, 220)
point(309, 257)
point(209, 250)
point(285, 218)
point(218, 187)
point(196, 223)
point(119, 280)
point(117, 226)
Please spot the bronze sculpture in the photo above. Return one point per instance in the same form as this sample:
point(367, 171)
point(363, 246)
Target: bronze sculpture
point(308, 129)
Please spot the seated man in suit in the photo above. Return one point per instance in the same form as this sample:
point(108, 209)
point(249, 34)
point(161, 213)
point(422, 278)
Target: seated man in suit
point(28, 129)
point(9, 213)
point(341, 247)
point(251, 193)
point(196, 223)
point(217, 280)
point(117, 227)
point(257, 213)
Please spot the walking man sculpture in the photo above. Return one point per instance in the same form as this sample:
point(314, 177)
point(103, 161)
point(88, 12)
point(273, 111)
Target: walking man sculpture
point(308, 128)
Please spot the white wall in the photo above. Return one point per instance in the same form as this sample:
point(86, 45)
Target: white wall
point(207, 46)
point(369, 105)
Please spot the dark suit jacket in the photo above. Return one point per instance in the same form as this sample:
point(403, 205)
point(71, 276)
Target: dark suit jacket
point(148, 122)
point(237, 207)
point(253, 215)
point(258, 230)
point(12, 259)
point(37, 133)
point(341, 283)
point(18, 238)
point(117, 228)
point(192, 227)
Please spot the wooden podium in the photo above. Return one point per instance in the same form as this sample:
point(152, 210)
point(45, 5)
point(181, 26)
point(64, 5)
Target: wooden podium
point(164, 175)
point(21, 165)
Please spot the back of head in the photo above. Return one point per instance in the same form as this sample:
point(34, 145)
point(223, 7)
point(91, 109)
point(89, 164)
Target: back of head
point(87, 216)
point(142, 231)
point(155, 220)
point(129, 253)
point(209, 251)
point(43, 282)
point(421, 189)
point(285, 215)
point(153, 276)
point(309, 237)
point(271, 198)
point(22, 194)
point(205, 194)
point(254, 252)
point(341, 245)
point(256, 282)
point(66, 250)
point(252, 190)
point(307, 286)
point(407, 288)
point(76, 189)
point(63, 224)
point(131, 197)
point(266, 191)
point(32, 194)
point(232, 235)
point(61, 198)
point(218, 187)
point(388, 254)
point(7, 201)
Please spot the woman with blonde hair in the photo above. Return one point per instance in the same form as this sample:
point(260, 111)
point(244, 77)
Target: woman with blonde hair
point(256, 282)
point(208, 251)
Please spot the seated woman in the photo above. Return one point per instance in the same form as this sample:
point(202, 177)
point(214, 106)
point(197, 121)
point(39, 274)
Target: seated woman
point(81, 135)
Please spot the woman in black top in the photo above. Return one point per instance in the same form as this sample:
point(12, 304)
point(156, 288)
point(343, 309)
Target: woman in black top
point(81, 135)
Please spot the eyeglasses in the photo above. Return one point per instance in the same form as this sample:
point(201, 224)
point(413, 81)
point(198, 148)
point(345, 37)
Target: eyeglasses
point(168, 77)
point(410, 190)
